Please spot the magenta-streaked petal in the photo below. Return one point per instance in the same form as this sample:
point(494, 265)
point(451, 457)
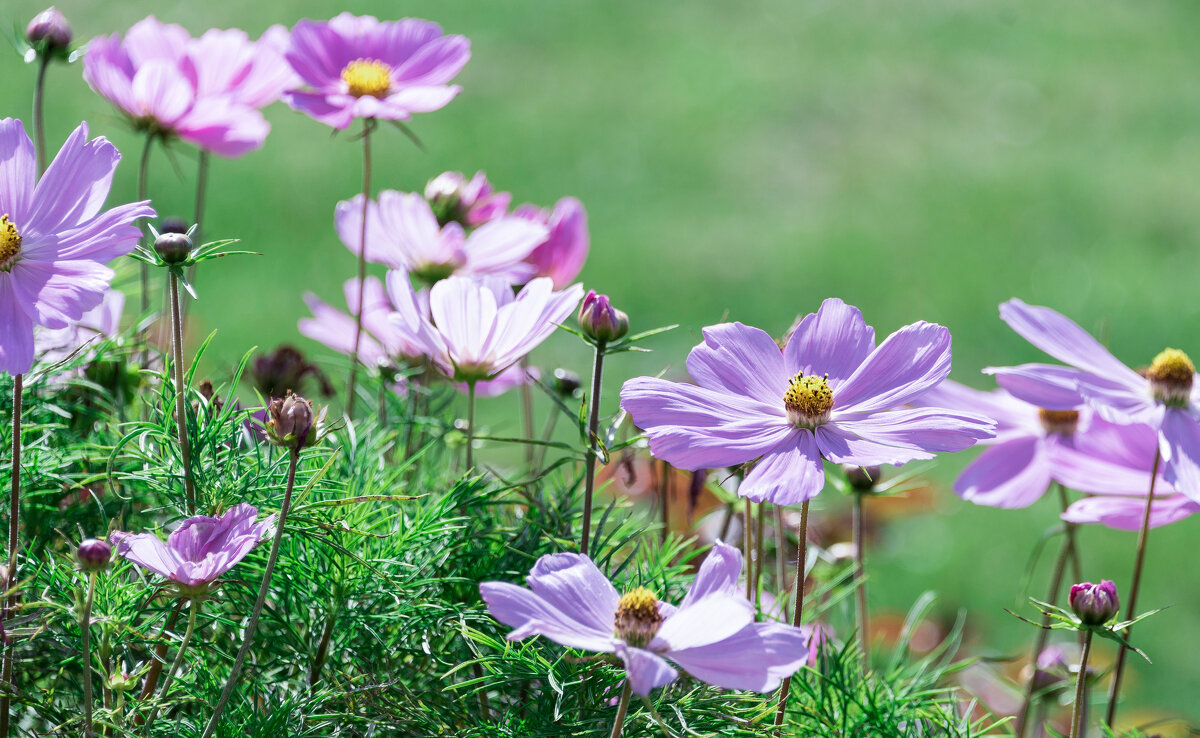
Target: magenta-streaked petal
point(718, 574)
point(317, 53)
point(16, 331)
point(1181, 434)
point(59, 293)
point(934, 429)
point(703, 622)
point(843, 446)
point(333, 110)
point(907, 363)
point(789, 473)
point(572, 584)
point(224, 127)
point(1127, 513)
point(738, 359)
point(1009, 475)
point(562, 255)
point(406, 37)
point(756, 658)
point(1047, 386)
point(435, 63)
point(835, 340)
point(18, 171)
point(646, 671)
point(528, 614)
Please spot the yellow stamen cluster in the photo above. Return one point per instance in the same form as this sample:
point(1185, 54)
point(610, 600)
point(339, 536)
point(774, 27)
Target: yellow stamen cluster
point(367, 77)
point(1171, 375)
point(638, 619)
point(10, 243)
point(1059, 422)
point(808, 400)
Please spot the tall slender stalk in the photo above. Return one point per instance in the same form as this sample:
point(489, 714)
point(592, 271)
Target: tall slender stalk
point(362, 264)
point(589, 471)
point(252, 625)
point(143, 185)
point(1079, 716)
point(664, 491)
point(780, 560)
point(178, 662)
point(748, 547)
point(527, 412)
point(39, 117)
point(1131, 604)
point(85, 626)
point(185, 447)
point(759, 525)
point(801, 555)
point(314, 671)
point(860, 590)
point(470, 424)
point(622, 709)
point(1069, 530)
point(14, 529)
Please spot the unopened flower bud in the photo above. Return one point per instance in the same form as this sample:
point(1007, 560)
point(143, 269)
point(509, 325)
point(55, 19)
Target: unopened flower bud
point(122, 681)
point(600, 320)
point(862, 479)
point(173, 225)
point(49, 27)
point(1095, 604)
point(173, 248)
point(93, 555)
point(291, 421)
point(1051, 669)
point(566, 382)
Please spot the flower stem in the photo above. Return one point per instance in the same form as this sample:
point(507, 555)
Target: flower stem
point(748, 548)
point(860, 542)
point(85, 626)
point(470, 425)
point(39, 117)
point(143, 182)
point(664, 490)
point(14, 529)
point(362, 265)
point(1078, 717)
point(758, 552)
point(622, 708)
point(801, 555)
point(314, 672)
point(252, 625)
point(780, 559)
point(166, 685)
point(527, 411)
point(589, 471)
point(185, 448)
point(1072, 543)
point(1131, 606)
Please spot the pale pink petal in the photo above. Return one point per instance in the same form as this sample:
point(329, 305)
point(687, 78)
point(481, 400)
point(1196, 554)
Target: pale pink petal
point(646, 671)
point(740, 360)
point(18, 171)
point(907, 363)
point(788, 474)
point(835, 340)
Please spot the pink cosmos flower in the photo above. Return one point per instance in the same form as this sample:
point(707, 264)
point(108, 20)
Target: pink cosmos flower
point(476, 329)
point(54, 236)
point(403, 233)
point(470, 202)
point(712, 634)
point(359, 67)
point(1167, 398)
point(562, 255)
point(103, 321)
point(831, 393)
point(206, 91)
point(201, 549)
point(383, 343)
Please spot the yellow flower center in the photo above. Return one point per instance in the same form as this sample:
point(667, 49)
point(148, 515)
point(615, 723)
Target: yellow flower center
point(1059, 422)
point(1171, 375)
point(808, 400)
point(10, 243)
point(367, 77)
point(638, 619)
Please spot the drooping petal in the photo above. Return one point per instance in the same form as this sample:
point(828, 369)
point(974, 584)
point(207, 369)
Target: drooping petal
point(528, 614)
point(718, 574)
point(1046, 386)
point(1181, 433)
point(835, 340)
point(572, 584)
point(1009, 475)
point(1127, 513)
point(788, 474)
point(907, 363)
point(147, 550)
point(646, 671)
point(18, 170)
point(756, 658)
point(739, 360)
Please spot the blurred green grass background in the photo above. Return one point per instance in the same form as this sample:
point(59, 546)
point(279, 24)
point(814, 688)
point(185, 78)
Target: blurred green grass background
point(924, 160)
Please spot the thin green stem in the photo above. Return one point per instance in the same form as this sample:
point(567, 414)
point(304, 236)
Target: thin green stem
point(589, 471)
point(801, 555)
point(362, 265)
point(470, 425)
point(85, 627)
point(1069, 529)
point(178, 662)
point(622, 709)
point(143, 185)
point(527, 411)
point(39, 117)
point(314, 672)
point(1078, 716)
point(759, 525)
point(780, 559)
point(860, 577)
point(14, 530)
point(252, 625)
point(185, 447)
point(664, 492)
point(1131, 604)
point(748, 547)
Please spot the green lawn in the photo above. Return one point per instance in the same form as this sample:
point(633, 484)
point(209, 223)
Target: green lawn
point(922, 160)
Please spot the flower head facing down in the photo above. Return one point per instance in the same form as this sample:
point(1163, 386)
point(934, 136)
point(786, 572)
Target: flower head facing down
point(830, 393)
point(291, 421)
point(55, 236)
point(468, 202)
point(200, 550)
point(1095, 604)
point(711, 634)
point(361, 67)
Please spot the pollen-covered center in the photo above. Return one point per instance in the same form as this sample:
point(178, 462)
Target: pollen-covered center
point(1171, 375)
point(1059, 422)
point(808, 400)
point(367, 77)
point(638, 619)
point(10, 243)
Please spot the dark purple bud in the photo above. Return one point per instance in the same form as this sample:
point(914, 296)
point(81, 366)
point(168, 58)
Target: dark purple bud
point(600, 320)
point(566, 382)
point(173, 225)
point(1051, 670)
point(49, 27)
point(1095, 604)
point(862, 479)
point(291, 421)
point(93, 555)
point(173, 248)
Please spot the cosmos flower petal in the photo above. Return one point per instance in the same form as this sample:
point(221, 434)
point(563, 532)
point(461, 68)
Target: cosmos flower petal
point(842, 445)
point(336, 111)
point(756, 658)
point(1009, 475)
point(835, 340)
point(18, 170)
point(703, 622)
point(224, 127)
point(16, 331)
point(572, 584)
point(347, 219)
point(336, 329)
point(529, 614)
point(906, 364)
point(147, 550)
point(1012, 416)
point(788, 474)
point(924, 429)
point(435, 62)
point(1120, 403)
point(466, 317)
point(161, 92)
point(739, 360)
point(1181, 433)
point(1046, 386)
point(75, 184)
point(109, 235)
point(59, 293)
point(646, 671)
point(562, 255)
point(718, 574)
point(1108, 459)
point(1127, 513)
point(497, 245)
